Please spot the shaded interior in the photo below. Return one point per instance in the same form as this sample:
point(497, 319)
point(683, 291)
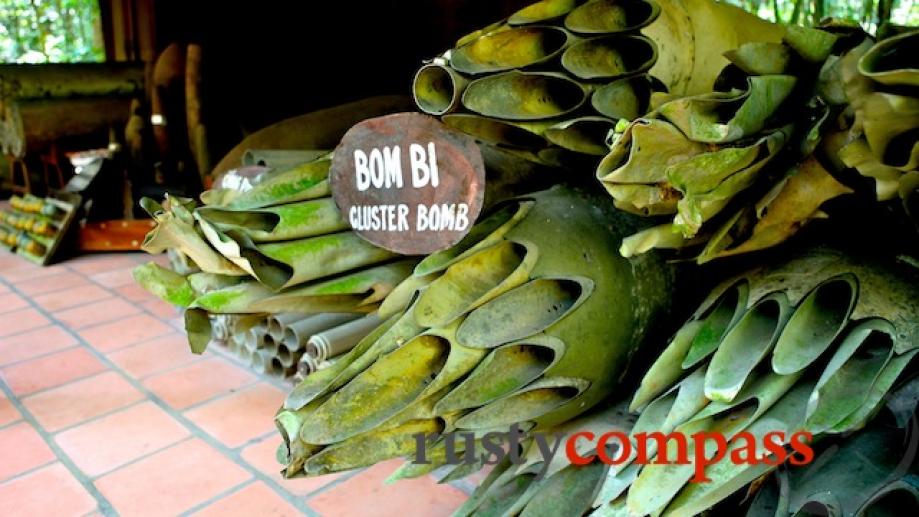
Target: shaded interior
point(742, 349)
point(256, 221)
point(519, 313)
point(585, 136)
point(503, 50)
point(814, 325)
point(609, 56)
point(494, 131)
point(715, 324)
point(896, 57)
point(434, 89)
point(467, 281)
point(600, 16)
point(528, 405)
point(482, 229)
point(900, 148)
point(623, 99)
point(504, 370)
point(541, 11)
point(520, 96)
point(893, 503)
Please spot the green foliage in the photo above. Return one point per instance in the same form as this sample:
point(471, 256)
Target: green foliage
point(869, 13)
point(50, 31)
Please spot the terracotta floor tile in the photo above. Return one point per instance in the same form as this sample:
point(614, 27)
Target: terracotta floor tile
point(46, 284)
point(25, 270)
point(101, 262)
point(253, 499)
point(161, 259)
point(161, 309)
point(261, 455)
point(115, 278)
point(34, 343)
point(22, 449)
point(21, 320)
point(124, 332)
point(97, 312)
point(113, 440)
point(79, 401)
point(71, 297)
point(154, 356)
point(235, 419)
point(11, 302)
point(171, 481)
point(50, 370)
point(197, 382)
point(8, 412)
point(29, 494)
point(365, 494)
point(133, 292)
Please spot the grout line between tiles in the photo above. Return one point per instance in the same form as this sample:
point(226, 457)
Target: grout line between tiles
point(196, 431)
point(28, 471)
point(40, 356)
point(104, 506)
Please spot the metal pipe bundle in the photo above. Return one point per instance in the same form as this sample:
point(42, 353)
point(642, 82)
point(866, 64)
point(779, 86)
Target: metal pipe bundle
point(341, 339)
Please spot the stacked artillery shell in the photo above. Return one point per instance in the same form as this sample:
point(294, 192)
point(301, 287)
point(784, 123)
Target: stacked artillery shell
point(280, 246)
point(815, 344)
point(508, 327)
point(862, 474)
point(881, 82)
point(735, 169)
point(555, 77)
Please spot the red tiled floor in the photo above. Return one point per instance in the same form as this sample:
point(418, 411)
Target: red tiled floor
point(124, 332)
point(96, 312)
point(24, 270)
point(161, 259)
point(51, 490)
point(79, 401)
point(8, 413)
point(66, 298)
point(197, 382)
point(49, 283)
point(235, 419)
point(171, 481)
point(115, 278)
point(154, 356)
point(133, 292)
point(111, 441)
point(21, 320)
point(21, 449)
point(253, 499)
point(261, 455)
point(93, 264)
point(50, 370)
point(34, 343)
point(160, 309)
point(365, 494)
point(11, 302)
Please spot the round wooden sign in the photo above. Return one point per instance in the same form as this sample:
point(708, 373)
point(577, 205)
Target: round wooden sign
point(408, 183)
